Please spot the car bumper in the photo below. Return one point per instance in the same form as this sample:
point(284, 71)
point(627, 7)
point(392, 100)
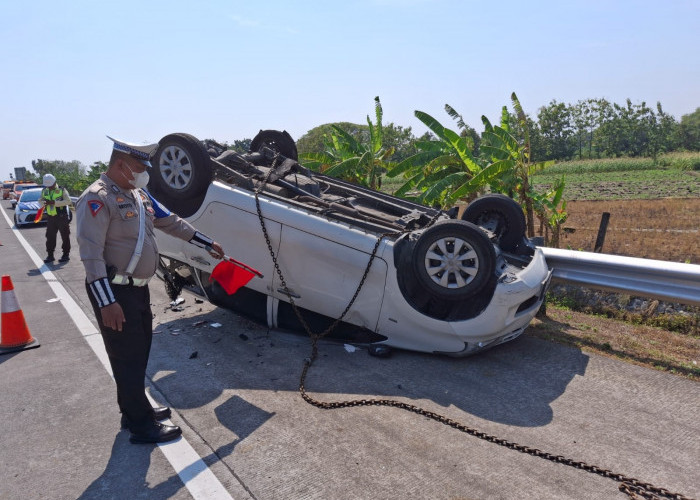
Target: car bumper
point(515, 302)
point(25, 218)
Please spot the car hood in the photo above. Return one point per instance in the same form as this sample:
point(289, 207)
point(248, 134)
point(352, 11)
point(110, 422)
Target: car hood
point(29, 205)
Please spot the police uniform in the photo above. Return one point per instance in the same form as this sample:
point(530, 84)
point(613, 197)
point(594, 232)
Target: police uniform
point(57, 217)
point(107, 225)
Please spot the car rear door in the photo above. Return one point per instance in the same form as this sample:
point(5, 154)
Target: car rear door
point(323, 263)
point(237, 229)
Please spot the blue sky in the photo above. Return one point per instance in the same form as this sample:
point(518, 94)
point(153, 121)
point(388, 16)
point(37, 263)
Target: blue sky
point(76, 71)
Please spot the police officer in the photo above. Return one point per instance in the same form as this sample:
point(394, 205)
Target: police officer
point(56, 201)
point(115, 218)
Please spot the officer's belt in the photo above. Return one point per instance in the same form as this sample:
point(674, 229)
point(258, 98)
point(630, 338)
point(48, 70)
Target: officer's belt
point(124, 279)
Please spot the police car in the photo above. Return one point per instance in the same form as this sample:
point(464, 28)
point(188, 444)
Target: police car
point(397, 273)
point(27, 206)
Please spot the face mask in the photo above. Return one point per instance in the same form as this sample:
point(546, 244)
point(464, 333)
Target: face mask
point(140, 179)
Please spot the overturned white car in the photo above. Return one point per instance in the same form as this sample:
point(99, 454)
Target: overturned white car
point(398, 273)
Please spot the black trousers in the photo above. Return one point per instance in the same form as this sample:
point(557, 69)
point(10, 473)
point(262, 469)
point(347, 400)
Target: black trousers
point(128, 352)
point(55, 224)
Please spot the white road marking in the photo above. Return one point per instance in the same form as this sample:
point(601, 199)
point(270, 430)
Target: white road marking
point(194, 473)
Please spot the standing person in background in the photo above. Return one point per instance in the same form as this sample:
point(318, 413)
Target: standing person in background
point(56, 201)
point(115, 219)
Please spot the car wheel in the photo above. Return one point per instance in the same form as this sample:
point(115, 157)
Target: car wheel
point(181, 175)
point(501, 216)
point(453, 260)
point(280, 142)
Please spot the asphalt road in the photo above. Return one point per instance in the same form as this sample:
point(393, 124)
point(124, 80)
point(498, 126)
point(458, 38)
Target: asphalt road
point(249, 435)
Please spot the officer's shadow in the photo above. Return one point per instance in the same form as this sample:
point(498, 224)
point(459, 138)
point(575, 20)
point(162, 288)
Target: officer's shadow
point(133, 462)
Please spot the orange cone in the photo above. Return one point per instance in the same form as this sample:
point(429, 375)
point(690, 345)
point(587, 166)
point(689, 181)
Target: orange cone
point(14, 335)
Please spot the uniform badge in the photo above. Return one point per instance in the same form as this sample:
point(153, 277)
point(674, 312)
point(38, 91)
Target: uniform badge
point(95, 206)
point(130, 214)
point(120, 199)
point(116, 189)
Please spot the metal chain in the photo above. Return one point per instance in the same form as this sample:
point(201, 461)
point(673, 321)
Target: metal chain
point(632, 487)
point(315, 337)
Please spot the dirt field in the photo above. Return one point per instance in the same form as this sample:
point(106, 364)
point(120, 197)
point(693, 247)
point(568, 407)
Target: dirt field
point(663, 229)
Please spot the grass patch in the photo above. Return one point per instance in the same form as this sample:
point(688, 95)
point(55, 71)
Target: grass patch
point(674, 161)
point(678, 354)
point(624, 184)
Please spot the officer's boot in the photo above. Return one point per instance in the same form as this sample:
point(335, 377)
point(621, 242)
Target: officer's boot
point(49, 258)
point(64, 258)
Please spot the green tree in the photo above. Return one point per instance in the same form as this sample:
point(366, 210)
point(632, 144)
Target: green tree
point(584, 117)
point(68, 174)
point(661, 132)
point(84, 181)
point(396, 137)
point(317, 139)
point(689, 131)
point(557, 130)
point(345, 157)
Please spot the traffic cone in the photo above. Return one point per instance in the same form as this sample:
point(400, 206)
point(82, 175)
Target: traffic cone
point(14, 334)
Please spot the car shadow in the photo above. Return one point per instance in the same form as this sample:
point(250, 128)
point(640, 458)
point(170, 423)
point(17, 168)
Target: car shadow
point(512, 384)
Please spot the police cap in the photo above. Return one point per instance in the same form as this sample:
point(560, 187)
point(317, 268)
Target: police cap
point(142, 153)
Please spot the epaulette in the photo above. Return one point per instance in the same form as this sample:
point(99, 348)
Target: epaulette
point(98, 187)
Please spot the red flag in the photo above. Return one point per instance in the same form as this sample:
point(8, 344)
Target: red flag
point(232, 275)
point(37, 218)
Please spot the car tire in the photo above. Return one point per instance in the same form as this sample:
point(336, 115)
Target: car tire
point(181, 174)
point(501, 216)
point(280, 142)
point(453, 260)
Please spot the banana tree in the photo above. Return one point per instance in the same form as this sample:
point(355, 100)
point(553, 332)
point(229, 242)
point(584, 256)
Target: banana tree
point(550, 207)
point(347, 158)
point(444, 170)
point(499, 145)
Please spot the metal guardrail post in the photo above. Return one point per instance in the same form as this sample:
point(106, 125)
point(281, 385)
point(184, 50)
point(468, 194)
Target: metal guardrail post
point(669, 281)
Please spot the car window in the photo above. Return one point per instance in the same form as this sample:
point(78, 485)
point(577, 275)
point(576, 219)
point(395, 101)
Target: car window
point(30, 195)
point(22, 187)
point(8, 185)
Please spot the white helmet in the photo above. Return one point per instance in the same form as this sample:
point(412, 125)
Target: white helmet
point(49, 180)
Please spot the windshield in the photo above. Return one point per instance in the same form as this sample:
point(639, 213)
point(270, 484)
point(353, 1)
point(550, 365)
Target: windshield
point(22, 187)
point(30, 195)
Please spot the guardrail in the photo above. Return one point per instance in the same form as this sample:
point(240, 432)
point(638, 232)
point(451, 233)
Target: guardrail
point(669, 281)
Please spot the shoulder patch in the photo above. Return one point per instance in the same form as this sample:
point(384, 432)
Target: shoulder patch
point(159, 209)
point(95, 206)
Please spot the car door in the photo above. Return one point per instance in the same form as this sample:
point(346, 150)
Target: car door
point(238, 231)
point(323, 262)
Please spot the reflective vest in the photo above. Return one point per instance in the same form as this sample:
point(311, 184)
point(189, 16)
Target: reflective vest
point(55, 195)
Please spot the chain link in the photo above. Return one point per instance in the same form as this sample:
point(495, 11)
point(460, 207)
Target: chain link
point(632, 487)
